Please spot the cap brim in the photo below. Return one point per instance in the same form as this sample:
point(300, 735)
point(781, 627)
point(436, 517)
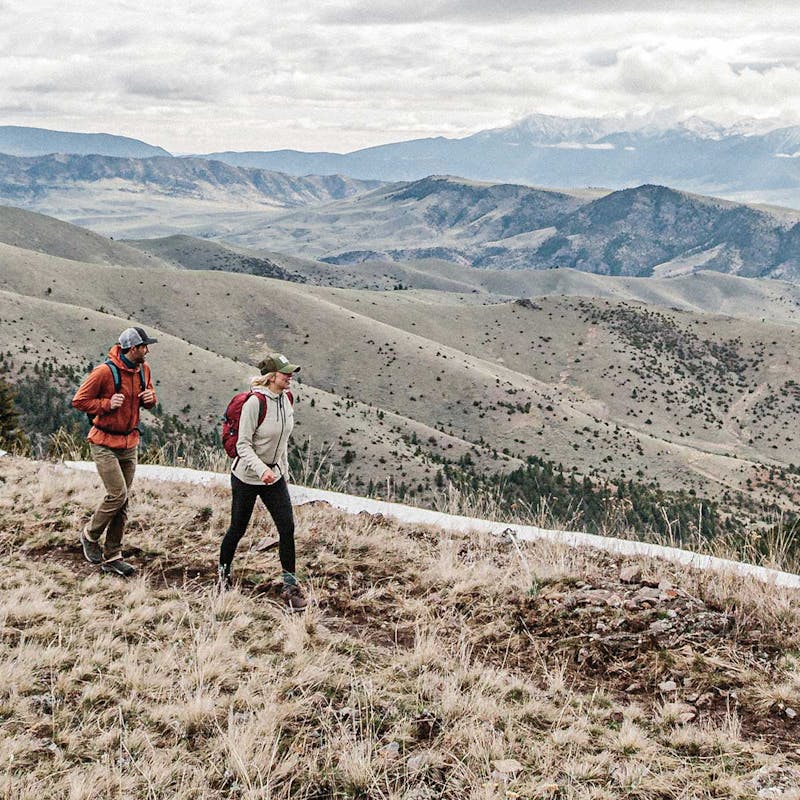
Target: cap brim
point(148, 340)
point(290, 369)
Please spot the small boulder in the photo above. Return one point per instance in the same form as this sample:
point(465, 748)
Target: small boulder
point(631, 574)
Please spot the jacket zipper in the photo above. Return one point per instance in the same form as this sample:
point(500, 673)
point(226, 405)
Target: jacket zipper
point(280, 416)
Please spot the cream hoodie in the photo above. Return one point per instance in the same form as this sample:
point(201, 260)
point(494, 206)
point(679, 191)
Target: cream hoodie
point(266, 445)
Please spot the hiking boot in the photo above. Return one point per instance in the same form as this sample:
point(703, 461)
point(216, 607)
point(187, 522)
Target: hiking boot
point(224, 582)
point(294, 598)
point(118, 567)
point(91, 550)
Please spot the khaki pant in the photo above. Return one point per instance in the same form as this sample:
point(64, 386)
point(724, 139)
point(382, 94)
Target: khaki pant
point(116, 469)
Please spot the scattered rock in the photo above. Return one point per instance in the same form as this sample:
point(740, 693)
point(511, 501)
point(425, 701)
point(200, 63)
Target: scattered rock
point(507, 765)
point(790, 712)
point(704, 700)
point(631, 574)
point(774, 781)
point(660, 626)
point(346, 712)
point(668, 686)
point(419, 761)
point(648, 593)
point(391, 751)
point(43, 703)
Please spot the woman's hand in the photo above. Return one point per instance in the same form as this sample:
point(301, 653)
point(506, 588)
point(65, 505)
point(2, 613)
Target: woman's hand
point(269, 477)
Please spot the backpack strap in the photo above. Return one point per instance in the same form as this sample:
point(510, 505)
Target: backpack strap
point(118, 381)
point(262, 406)
point(288, 393)
point(114, 374)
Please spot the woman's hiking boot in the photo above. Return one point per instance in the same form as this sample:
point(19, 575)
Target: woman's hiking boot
point(294, 598)
point(224, 581)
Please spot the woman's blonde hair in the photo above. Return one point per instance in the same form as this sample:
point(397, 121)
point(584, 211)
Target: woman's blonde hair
point(263, 380)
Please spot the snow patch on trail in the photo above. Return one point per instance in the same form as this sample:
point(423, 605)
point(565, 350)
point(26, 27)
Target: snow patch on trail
point(450, 522)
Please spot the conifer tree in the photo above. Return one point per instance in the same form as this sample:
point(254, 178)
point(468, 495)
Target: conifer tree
point(12, 437)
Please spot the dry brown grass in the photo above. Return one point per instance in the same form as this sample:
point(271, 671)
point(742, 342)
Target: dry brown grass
point(414, 675)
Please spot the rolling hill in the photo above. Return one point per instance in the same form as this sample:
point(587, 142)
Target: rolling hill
point(692, 290)
point(43, 234)
point(405, 382)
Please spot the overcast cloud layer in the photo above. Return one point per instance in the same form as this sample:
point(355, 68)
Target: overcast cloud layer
point(320, 75)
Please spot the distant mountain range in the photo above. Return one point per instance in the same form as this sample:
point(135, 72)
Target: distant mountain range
point(640, 232)
point(24, 180)
point(20, 141)
point(644, 231)
point(746, 162)
point(738, 162)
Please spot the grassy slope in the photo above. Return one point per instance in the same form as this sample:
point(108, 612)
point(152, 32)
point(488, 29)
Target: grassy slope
point(576, 369)
point(43, 234)
point(452, 666)
point(709, 292)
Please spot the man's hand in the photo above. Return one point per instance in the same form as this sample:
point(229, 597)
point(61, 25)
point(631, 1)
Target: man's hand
point(147, 396)
point(268, 477)
point(117, 400)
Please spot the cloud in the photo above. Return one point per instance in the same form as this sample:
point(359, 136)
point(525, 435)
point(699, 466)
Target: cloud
point(195, 75)
point(201, 86)
point(480, 12)
point(405, 12)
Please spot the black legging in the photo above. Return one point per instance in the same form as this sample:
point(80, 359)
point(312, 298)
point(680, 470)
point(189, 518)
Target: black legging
point(275, 497)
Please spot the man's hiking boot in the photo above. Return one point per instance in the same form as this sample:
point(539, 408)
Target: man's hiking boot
point(294, 598)
point(118, 567)
point(91, 550)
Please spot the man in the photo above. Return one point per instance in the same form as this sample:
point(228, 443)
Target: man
point(111, 395)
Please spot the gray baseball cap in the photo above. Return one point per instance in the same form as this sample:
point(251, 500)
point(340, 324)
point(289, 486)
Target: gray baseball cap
point(131, 337)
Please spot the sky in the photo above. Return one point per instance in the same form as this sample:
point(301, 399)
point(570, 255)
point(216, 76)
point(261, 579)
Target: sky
point(196, 77)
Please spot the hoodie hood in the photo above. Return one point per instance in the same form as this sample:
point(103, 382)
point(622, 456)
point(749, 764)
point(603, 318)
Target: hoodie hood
point(115, 354)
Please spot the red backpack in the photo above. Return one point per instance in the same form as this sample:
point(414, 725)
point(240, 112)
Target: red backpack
point(230, 419)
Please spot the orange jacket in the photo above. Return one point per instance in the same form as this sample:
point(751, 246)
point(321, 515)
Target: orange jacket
point(117, 428)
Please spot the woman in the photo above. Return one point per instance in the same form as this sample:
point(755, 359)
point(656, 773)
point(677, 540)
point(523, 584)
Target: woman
point(261, 468)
